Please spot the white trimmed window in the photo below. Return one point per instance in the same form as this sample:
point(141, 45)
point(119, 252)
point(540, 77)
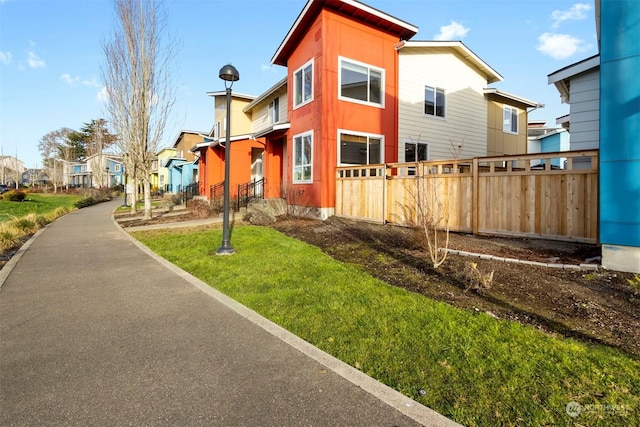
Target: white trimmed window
point(117, 167)
point(303, 85)
point(510, 119)
point(303, 158)
point(416, 152)
point(361, 83)
point(434, 101)
point(360, 149)
point(274, 111)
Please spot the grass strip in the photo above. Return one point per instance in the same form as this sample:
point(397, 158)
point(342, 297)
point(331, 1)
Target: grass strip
point(38, 204)
point(472, 368)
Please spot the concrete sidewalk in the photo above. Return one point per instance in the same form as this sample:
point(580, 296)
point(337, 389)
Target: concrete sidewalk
point(96, 330)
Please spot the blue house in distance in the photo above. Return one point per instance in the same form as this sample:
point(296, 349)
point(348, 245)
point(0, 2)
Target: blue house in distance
point(618, 27)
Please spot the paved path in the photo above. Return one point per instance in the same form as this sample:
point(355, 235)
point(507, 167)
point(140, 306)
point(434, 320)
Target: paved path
point(95, 330)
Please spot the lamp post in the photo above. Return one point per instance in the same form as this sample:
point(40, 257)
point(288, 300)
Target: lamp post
point(107, 181)
point(229, 74)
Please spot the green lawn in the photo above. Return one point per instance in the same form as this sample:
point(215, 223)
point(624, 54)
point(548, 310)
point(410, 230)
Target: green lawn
point(35, 203)
point(473, 368)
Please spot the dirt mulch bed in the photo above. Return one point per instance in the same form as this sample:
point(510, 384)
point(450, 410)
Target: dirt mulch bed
point(593, 306)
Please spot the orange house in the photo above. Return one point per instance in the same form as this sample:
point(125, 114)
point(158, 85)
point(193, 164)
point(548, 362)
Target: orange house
point(246, 151)
point(342, 96)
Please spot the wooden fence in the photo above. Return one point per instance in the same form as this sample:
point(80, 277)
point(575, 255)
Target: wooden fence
point(521, 195)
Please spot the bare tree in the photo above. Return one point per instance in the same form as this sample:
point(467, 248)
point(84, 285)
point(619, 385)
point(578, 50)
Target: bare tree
point(137, 79)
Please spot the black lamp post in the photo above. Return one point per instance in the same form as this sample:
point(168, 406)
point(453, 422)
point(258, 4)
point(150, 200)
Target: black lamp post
point(107, 180)
point(229, 74)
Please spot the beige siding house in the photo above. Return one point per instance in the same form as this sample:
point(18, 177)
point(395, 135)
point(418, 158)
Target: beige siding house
point(507, 131)
point(446, 110)
point(442, 106)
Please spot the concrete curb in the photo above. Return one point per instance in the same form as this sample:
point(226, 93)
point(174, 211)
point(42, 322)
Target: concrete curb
point(386, 394)
point(580, 267)
point(8, 267)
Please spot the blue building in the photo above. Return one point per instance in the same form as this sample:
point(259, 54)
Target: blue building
point(618, 24)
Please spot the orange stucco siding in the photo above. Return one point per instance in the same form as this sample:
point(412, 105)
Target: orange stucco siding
point(330, 37)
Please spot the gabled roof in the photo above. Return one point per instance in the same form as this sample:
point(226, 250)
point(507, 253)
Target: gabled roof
point(266, 94)
point(562, 77)
point(351, 8)
point(461, 49)
point(510, 97)
point(182, 132)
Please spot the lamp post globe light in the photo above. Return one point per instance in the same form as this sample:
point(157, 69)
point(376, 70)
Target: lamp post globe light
point(229, 74)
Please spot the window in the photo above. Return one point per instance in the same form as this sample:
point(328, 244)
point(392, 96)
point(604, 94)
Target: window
point(303, 85)
point(415, 152)
point(360, 149)
point(274, 111)
point(361, 82)
point(510, 122)
point(117, 167)
point(216, 130)
point(434, 101)
point(302, 158)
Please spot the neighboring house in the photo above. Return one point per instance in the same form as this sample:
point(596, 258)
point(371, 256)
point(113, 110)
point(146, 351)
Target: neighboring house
point(543, 139)
point(579, 86)
point(212, 148)
point(619, 43)
point(446, 109)
point(162, 172)
point(551, 141)
point(342, 96)
point(11, 169)
point(362, 96)
point(603, 93)
point(98, 170)
point(182, 167)
point(34, 177)
point(507, 129)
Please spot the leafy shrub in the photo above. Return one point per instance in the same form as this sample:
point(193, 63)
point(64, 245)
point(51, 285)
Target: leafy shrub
point(14, 195)
point(84, 202)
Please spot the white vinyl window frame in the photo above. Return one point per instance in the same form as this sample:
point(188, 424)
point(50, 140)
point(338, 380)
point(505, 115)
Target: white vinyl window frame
point(117, 167)
point(274, 111)
point(415, 151)
point(510, 119)
point(366, 140)
point(435, 102)
point(302, 172)
point(375, 76)
point(303, 85)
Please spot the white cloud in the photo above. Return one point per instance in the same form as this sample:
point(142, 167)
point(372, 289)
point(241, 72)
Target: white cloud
point(453, 31)
point(34, 60)
point(5, 57)
point(561, 46)
point(575, 13)
point(103, 95)
point(91, 83)
point(68, 79)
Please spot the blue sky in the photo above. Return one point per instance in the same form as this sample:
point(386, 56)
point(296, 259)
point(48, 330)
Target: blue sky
point(51, 54)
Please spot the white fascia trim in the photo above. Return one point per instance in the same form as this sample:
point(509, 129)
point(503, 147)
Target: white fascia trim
point(233, 95)
point(382, 15)
point(574, 69)
point(284, 42)
point(528, 102)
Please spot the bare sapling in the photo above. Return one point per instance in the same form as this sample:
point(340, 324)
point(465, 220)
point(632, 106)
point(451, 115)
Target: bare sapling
point(433, 217)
